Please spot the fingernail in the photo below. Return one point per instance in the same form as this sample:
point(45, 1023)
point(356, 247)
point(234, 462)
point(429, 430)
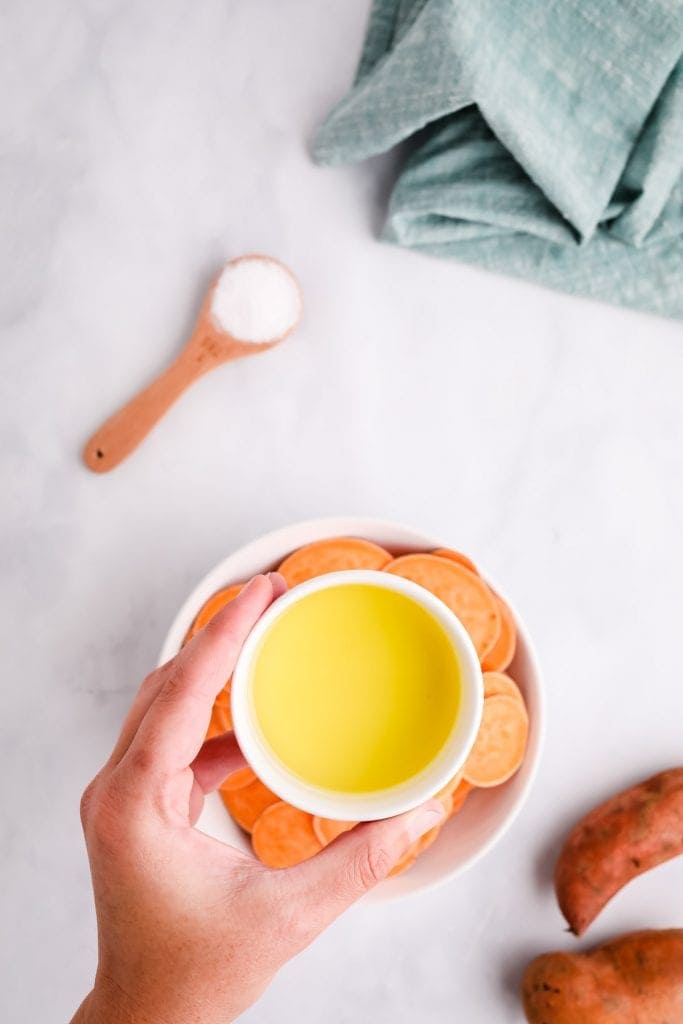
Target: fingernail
point(424, 819)
point(277, 579)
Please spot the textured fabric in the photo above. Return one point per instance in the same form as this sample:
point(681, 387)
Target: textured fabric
point(546, 138)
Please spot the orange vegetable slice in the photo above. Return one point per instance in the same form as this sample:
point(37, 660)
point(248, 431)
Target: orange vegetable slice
point(462, 792)
point(327, 830)
point(212, 607)
point(216, 725)
point(221, 708)
point(457, 556)
point(425, 841)
point(450, 786)
point(503, 651)
point(497, 684)
point(238, 779)
point(323, 556)
point(464, 593)
point(498, 750)
point(248, 803)
point(283, 836)
point(406, 861)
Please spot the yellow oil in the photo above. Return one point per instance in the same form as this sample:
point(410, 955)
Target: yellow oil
point(356, 688)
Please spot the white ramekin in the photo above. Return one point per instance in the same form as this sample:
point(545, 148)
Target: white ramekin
point(373, 805)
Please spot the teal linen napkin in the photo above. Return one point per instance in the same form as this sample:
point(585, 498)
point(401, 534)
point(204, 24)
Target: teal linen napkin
point(547, 138)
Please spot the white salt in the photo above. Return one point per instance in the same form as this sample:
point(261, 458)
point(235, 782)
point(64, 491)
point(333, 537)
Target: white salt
point(256, 299)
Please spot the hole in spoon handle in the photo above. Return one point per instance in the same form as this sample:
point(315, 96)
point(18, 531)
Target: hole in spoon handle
point(97, 458)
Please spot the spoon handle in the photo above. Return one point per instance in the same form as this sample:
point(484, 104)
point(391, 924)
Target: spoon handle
point(123, 432)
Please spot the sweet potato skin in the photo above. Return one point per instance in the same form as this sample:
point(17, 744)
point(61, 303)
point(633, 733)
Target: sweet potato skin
point(634, 979)
point(623, 837)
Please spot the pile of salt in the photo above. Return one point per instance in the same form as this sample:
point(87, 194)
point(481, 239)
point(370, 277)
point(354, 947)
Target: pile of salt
point(256, 299)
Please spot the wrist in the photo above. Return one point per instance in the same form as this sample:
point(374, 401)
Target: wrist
point(108, 1004)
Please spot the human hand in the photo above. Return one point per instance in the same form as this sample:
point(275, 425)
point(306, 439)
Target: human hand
point(190, 929)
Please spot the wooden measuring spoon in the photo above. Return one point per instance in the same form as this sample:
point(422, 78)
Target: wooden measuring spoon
point(209, 346)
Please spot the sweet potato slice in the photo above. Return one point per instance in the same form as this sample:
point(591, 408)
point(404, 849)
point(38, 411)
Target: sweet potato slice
point(327, 830)
point(503, 651)
point(247, 803)
point(497, 684)
point(622, 837)
point(238, 779)
point(498, 750)
point(464, 593)
point(425, 841)
point(406, 862)
point(457, 556)
point(211, 607)
point(221, 708)
point(459, 796)
point(216, 724)
point(283, 836)
point(334, 555)
point(450, 787)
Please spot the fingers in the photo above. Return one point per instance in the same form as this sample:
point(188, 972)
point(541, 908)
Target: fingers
point(217, 759)
point(172, 729)
point(137, 711)
point(152, 685)
point(353, 864)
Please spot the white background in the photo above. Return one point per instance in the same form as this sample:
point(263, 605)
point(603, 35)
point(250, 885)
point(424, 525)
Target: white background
point(142, 144)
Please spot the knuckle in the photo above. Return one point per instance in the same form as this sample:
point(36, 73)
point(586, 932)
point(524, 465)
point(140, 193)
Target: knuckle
point(370, 865)
point(151, 681)
point(115, 812)
point(151, 677)
point(174, 685)
point(141, 759)
point(104, 818)
point(86, 801)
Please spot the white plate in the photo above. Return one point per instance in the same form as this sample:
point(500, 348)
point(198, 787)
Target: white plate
point(487, 814)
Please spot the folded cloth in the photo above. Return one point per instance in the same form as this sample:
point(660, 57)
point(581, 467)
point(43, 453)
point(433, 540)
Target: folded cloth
point(547, 138)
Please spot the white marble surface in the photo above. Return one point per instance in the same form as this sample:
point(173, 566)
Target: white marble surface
point(142, 143)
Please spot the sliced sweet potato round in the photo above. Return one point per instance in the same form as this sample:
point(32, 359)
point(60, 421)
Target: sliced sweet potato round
point(332, 555)
point(238, 779)
point(450, 787)
point(497, 684)
point(211, 607)
point(405, 862)
point(216, 724)
point(460, 795)
point(464, 593)
point(223, 707)
point(283, 836)
point(327, 829)
point(457, 556)
point(499, 748)
point(503, 651)
point(247, 803)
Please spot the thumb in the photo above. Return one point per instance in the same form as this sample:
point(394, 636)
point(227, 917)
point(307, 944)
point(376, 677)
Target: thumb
point(355, 862)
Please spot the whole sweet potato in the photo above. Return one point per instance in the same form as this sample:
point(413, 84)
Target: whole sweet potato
point(628, 834)
point(635, 979)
